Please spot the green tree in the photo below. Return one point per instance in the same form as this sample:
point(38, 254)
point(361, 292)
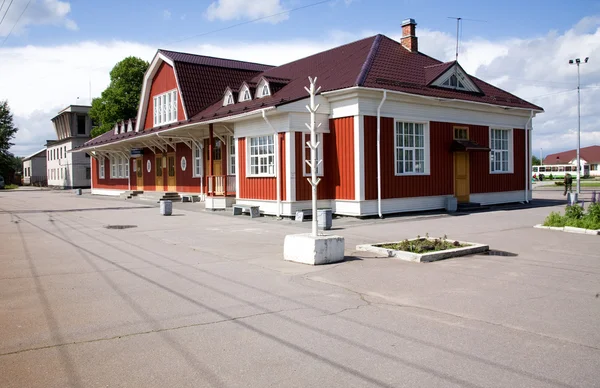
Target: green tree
point(120, 100)
point(8, 163)
point(535, 161)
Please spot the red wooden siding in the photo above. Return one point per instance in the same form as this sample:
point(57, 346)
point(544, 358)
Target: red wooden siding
point(186, 182)
point(338, 162)
point(163, 81)
point(481, 179)
point(261, 187)
point(440, 180)
point(107, 182)
point(149, 177)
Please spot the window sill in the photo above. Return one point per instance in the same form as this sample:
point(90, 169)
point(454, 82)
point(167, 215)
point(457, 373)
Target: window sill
point(501, 172)
point(414, 174)
point(260, 176)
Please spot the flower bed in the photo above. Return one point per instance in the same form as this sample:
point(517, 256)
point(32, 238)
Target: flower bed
point(575, 216)
point(424, 249)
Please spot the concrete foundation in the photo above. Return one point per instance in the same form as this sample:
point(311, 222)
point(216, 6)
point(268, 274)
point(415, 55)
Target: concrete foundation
point(218, 203)
point(307, 249)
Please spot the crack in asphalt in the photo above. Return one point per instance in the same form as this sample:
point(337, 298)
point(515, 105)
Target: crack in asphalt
point(166, 329)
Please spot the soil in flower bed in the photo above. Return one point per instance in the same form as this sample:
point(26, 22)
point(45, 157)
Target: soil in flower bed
point(423, 245)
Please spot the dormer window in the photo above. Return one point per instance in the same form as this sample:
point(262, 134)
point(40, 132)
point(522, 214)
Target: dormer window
point(165, 108)
point(245, 94)
point(228, 100)
point(456, 78)
point(263, 89)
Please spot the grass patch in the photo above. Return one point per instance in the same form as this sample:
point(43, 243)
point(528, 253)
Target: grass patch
point(10, 187)
point(582, 183)
point(577, 217)
point(423, 245)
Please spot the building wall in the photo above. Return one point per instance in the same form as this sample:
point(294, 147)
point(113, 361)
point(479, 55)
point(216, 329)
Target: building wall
point(107, 182)
point(163, 81)
point(481, 179)
point(440, 181)
point(260, 187)
point(186, 183)
point(338, 163)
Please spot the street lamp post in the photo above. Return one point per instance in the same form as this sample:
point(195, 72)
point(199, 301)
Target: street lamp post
point(577, 62)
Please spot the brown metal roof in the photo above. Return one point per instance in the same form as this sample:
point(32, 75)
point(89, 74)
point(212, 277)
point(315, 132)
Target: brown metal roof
point(589, 154)
point(375, 62)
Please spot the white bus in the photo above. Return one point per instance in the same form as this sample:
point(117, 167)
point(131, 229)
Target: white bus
point(558, 171)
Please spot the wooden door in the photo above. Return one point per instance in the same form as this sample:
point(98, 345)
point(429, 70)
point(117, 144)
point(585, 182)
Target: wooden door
point(171, 179)
point(158, 171)
point(461, 176)
point(139, 173)
point(217, 158)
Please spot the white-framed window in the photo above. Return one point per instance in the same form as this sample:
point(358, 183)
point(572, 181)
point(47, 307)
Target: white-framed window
point(198, 162)
point(113, 167)
point(165, 108)
point(101, 168)
point(501, 151)
point(245, 94)
point(261, 155)
point(119, 167)
point(231, 164)
point(263, 89)
point(411, 144)
point(126, 167)
point(228, 100)
point(307, 171)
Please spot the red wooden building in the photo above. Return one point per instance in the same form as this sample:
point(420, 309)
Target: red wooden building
point(401, 131)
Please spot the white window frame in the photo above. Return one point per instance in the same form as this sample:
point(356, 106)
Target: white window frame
point(119, 167)
point(231, 156)
point(268, 140)
point(113, 167)
point(242, 97)
point(494, 151)
point(101, 171)
point(306, 149)
point(125, 167)
point(198, 161)
point(165, 108)
point(263, 89)
point(228, 100)
point(426, 148)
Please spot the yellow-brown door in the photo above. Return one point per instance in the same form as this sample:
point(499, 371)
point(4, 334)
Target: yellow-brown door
point(217, 158)
point(139, 173)
point(461, 176)
point(158, 171)
point(171, 180)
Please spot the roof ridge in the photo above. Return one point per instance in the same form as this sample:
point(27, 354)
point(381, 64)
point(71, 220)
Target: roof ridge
point(366, 67)
point(440, 64)
point(213, 57)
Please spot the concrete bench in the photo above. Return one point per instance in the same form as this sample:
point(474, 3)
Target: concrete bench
point(239, 209)
point(190, 198)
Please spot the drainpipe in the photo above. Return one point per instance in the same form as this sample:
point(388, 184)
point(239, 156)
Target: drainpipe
point(527, 157)
point(379, 153)
point(277, 163)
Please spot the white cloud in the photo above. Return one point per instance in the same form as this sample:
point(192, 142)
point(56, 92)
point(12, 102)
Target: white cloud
point(45, 12)
point(37, 79)
point(166, 14)
point(244, 9)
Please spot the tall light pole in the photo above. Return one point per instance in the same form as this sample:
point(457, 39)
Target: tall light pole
point(577, 62)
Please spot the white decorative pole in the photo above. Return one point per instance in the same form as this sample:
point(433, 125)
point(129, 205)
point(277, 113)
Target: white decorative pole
point(313, 144)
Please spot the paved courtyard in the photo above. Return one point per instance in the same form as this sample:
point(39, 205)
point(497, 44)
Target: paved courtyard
point(205, 300)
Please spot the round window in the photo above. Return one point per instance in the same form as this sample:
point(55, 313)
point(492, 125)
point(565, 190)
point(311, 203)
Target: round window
point(148, 166)
point(183, 163)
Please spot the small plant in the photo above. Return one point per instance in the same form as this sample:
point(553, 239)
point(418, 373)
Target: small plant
point(574, 212)
point(423, 245)
point(576, 216)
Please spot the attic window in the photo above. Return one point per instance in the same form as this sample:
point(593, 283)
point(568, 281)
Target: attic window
point(454, 82)
point(245, 94)
point(263, 89)
point(228, 98)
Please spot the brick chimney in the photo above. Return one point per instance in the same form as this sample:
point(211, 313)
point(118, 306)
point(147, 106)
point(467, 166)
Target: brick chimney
point(409, 38)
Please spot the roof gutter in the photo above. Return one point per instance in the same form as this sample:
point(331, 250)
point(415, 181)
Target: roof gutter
point(438, 99)
point(379, 153)
point(219, 120)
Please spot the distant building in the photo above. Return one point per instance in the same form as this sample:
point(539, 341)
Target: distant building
point(65, 169)
point(34, 169)
point(588, 155)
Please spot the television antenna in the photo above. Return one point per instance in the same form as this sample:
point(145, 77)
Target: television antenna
point(459, 30)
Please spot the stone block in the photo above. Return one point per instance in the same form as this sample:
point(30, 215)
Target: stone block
point(308, 249)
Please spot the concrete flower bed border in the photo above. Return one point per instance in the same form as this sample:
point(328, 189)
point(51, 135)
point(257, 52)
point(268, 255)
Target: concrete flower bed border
point(569, 229)
point(471, 249)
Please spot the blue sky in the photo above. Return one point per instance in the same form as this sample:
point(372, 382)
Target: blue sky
point(59, 47)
